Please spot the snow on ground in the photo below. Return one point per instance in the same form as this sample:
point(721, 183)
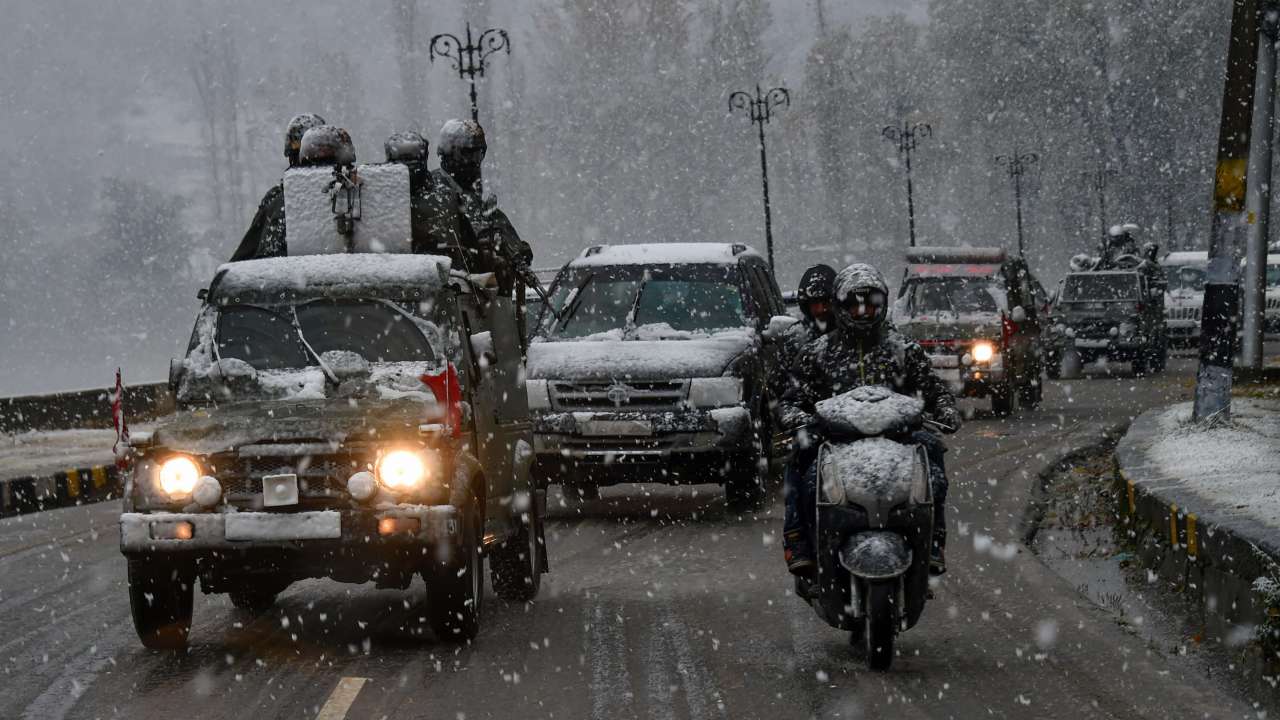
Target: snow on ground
point(1236, 465)
point(45, 453)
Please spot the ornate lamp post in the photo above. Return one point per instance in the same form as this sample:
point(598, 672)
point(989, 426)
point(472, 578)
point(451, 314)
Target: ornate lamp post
point(905, 137)
point(468, 57)
point(760, 109)
point(1016, 164)
point(1097, 180)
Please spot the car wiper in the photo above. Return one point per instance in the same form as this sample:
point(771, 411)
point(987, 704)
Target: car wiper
point(567, 314)
point(629, 324)
point(329, 375)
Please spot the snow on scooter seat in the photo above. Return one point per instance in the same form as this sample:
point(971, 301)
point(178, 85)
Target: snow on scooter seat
point(869, 410)
point(384, 225)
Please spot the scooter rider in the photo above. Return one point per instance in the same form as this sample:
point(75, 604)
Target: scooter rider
point(864, 349)
point(815, 297)
point(265, 236)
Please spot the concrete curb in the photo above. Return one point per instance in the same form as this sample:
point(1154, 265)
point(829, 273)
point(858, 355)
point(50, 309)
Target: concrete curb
point(75, 486)
point(1033, 515)
point(1206, 551)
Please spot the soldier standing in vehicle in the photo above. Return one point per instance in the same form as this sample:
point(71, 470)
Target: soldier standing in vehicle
point(265, 236)
point(462, 150)
point(814, 294)
point(439, 225)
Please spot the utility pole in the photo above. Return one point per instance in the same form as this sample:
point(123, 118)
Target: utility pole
point(1098, 181)
point(1017, 164)
point(906, 137)
point(760, 110)
point(1258, 204)
point(468, 57)
point(1229, 221)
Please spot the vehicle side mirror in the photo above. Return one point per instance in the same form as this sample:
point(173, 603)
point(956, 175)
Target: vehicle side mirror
point(1018, 315)
point(778, 326)
point(176, 367)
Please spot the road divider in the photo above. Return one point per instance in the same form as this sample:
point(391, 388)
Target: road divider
point(82, 408)
point(74, 486)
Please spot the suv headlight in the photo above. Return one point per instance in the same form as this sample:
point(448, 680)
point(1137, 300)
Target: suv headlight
point(406, 470)
point(178, 476)
point(715, 392)
point(539, 395)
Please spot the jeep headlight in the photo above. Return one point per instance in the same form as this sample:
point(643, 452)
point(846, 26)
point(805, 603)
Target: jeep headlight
point(715, 392)
point(983, 352)
point(178, 476)
point(404, 470)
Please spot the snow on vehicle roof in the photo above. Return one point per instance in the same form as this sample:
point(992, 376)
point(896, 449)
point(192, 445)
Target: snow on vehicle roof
point(664, 253)
point(342, 275)
point(1186, 257)
point(974, 255)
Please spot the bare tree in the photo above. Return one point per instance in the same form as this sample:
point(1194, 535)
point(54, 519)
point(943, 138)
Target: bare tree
point(215, 72)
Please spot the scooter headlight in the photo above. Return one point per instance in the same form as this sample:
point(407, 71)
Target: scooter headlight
point(178, 476)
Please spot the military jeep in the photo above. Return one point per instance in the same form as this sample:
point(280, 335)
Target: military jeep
point(360, 417)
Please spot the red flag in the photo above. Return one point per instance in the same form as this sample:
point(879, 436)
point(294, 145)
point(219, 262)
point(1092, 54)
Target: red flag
point(117, 419)
point(448, 392)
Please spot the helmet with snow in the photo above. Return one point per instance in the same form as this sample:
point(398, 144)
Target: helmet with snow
point(407, 148)
point(462, 141)
point(326, 145)
point(817, 286)
point(298, 127)
point(862, 299)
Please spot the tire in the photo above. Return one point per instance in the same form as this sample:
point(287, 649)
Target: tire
point(1139, 364)
point(881, 624)
point(744, 489)
point(1053, 368)
point(1029, 395)
point(455, 592)
point(1004, 400)
point(253, 600)
point(516, 565)
point(161, 594)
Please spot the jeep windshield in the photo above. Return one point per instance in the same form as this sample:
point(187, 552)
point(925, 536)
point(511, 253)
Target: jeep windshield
point(1119, 287)
point(960, 295)
point(1186, 277)
point(270, 338)
point(646, 302)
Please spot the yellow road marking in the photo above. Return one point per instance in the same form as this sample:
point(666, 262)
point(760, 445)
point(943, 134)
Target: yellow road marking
point(73, 483)
point(341, 699)
point(1192, 545)
point(99, 476)
point(1173, 525)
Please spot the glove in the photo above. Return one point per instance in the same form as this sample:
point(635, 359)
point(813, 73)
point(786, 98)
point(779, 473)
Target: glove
point(950, 417)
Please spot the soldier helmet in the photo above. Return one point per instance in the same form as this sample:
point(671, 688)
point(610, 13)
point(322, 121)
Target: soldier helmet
point(816, 285)
point(406, 147)
point(298, 127)
point(862, 298)
point(326, 145)
point(462, 140)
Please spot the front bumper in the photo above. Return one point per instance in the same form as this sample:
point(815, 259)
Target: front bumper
point(658, 447)
point(320, 530)
point(976, 380)
point(1112, 348)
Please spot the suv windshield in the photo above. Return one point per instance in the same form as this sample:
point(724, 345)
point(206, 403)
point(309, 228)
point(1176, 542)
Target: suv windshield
point(1100, 288)
point(1187, 277)
point(665, 300)
point(952, 294)
point(266, 338)
point(1273, 276)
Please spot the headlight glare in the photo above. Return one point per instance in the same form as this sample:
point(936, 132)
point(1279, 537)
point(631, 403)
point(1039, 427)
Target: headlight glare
point(178, 476)
point(402, 470)
point(983, 352)
point(715, 392)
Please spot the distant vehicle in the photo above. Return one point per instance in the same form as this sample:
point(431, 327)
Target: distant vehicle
point(1272, 321)
point(1184, 298)
point(357, 417)
point(656, 369)
point(1117, 315)
point(978, 314)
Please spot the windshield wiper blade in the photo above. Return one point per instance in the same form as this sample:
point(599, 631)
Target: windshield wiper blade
point(629, 324)
point(567, 313)
point(329, 375)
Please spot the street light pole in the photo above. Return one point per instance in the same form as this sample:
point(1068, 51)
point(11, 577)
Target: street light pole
point(906, 138)
point(1097, 179)
point(760, 109)
point(468, 57)
point(1258, 201)
point(1016, 164)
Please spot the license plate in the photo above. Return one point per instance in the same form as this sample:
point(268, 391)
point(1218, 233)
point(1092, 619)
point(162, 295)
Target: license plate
point(944, 361)
point(321, 525)
point(616, 428)
point(280, 490)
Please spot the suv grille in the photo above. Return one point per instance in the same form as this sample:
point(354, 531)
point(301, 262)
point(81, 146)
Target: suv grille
point(638, 395)
point(319, 476)
point(1182, 313)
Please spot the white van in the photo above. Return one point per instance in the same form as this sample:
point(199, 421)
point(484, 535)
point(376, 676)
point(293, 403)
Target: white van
point(1185, 295)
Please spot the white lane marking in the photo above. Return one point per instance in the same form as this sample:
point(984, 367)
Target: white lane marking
point(341, 699)
point(60, 696)
point(611, 692)
point(700, 689)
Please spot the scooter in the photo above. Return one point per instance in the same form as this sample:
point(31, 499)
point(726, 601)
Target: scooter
point(874, 518)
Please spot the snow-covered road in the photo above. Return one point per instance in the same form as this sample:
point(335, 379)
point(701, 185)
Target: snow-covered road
point(658, 605)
